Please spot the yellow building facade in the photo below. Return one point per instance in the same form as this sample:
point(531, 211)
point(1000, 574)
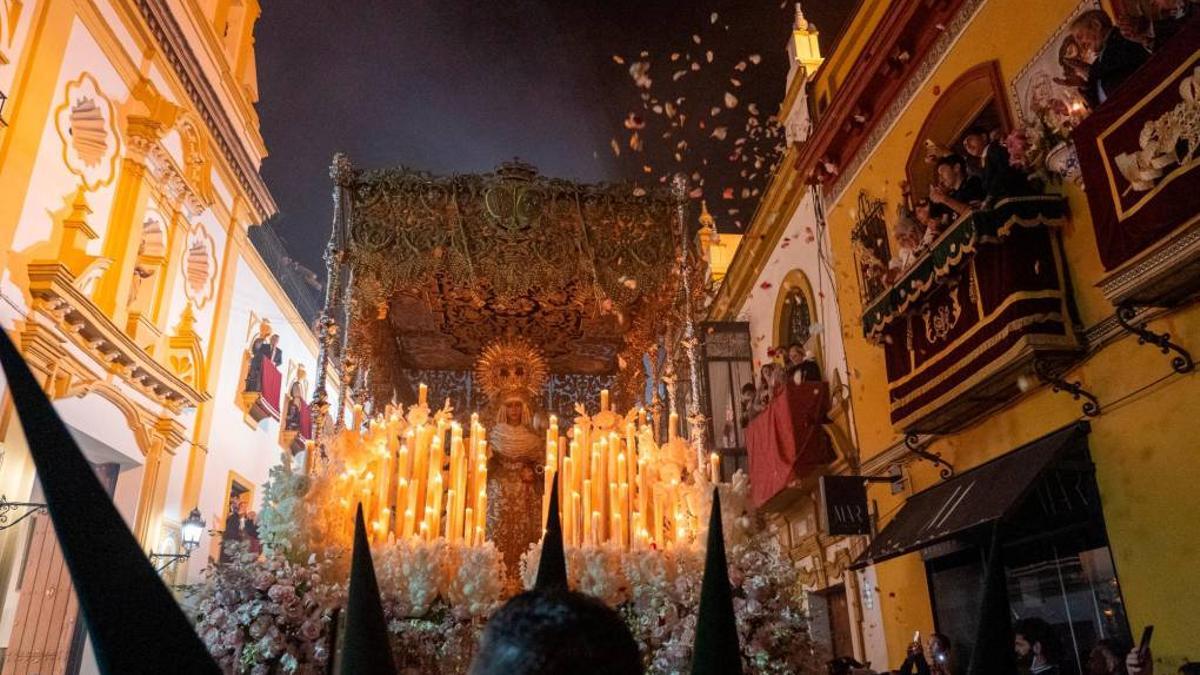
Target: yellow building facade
point(901, 74)
point(129, 179)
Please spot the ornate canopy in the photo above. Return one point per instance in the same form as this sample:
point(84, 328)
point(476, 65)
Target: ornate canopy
point(437, 267)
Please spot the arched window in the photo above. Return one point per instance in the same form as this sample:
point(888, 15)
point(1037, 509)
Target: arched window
point(796, 313)
point(975, 99)
point(796, 321)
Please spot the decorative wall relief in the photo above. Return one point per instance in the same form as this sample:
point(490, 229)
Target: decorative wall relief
point(85, 121)
point(199, 267)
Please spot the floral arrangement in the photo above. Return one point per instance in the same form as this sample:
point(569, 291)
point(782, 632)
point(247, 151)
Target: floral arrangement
point(275, 611)
point(658, 593)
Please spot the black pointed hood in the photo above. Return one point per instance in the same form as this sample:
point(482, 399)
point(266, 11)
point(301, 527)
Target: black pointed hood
point(365, 648)
point(716, 651)
point(134, 622)
point(552, 567)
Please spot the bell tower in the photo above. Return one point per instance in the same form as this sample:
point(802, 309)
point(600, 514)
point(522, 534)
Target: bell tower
point(803, 50)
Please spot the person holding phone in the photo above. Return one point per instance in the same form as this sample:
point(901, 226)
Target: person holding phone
point(939, 662)
point(1139, 662)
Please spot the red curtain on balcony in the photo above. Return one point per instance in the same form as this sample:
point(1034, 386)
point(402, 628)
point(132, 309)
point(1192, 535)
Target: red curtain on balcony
point(272, 382)
point(786, 440)
point(305, 421)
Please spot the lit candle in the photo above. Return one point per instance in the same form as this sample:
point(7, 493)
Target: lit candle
point(587, 509)
point(576, 508)
point(613, 506)
point(469, 518)
point(603, 400)
point(435, 526)
point(481, 514)
point(597, 528)
point(714, 463)
point(422, 394)
point(623, 503)
point(673, 426)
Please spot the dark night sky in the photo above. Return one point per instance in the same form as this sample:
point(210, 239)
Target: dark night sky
point(455, 86)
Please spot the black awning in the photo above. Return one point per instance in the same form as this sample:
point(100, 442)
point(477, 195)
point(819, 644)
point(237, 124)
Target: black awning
point(988, 493)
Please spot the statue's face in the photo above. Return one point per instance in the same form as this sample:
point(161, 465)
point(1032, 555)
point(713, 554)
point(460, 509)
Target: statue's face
point(512, 412)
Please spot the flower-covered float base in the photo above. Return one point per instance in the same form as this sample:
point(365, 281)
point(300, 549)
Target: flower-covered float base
point(276, 611)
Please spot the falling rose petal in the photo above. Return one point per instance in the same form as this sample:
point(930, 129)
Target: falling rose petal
point(731, 101)
point(644, 54)
point(647, 169)
point(708, 56)
point(755, 59)
point(713, 18)
point(714, 112)
point(764, 285)
point(674, 56)
point(719, 133)
point(616, 148)
point(634, 121)
point(753, 109)
point(696, 193)
point(727, 194)
point(741, 65)
point(735, 82)
point(678, 74)
point(618, 60)
point(639, 191)
point(657, 109)
point(695, 66)
point(696, 39)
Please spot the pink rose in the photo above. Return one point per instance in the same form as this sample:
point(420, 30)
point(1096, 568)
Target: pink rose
point(310, 630)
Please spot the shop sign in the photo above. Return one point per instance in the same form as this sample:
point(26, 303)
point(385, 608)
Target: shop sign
point(844, 505)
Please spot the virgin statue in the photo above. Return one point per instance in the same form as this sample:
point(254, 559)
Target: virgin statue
point(511, 373)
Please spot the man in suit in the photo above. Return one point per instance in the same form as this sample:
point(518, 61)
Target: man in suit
point(999, 178)
point(1116, 57)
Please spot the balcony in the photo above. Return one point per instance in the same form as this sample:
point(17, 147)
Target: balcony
point(297, 427)
point(1140, 156)
point(967, 319)
point(786, 442)
point(260, 399)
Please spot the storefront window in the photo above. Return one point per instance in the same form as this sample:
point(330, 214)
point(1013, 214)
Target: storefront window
point(1077, 594)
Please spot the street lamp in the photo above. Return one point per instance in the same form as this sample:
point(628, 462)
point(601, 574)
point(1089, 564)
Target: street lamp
point(190, 530)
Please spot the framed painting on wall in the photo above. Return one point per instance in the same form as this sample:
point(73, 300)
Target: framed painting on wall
point(1049, 87)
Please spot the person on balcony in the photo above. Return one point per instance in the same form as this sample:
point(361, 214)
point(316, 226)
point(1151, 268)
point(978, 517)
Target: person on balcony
point(802, 364)
point(1116, 57)
point(770, 380)
point(956, 193)
point(1000, 179)
point(908, 249)
point(748, 403)
point(266, 350)
point(1153, 29)
point(296, 393)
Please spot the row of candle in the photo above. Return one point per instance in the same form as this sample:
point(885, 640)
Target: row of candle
point(409, 489)
point(418, 475)
point(617, 485)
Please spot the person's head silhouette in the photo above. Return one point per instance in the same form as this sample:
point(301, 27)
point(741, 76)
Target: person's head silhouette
point(556, 631)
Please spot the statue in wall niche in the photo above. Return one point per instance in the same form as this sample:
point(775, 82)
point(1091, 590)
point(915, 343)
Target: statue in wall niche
point(511, 373)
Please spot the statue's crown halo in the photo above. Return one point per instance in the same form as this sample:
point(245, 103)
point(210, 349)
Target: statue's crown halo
point(511, 366)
